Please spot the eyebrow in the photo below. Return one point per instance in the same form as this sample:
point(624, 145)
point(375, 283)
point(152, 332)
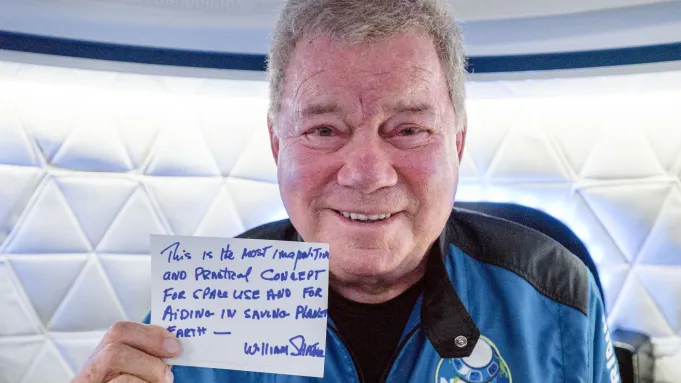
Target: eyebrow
point(401, 107)
point(318, 109)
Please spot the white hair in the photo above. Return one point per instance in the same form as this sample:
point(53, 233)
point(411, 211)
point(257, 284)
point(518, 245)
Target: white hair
point(357, 21)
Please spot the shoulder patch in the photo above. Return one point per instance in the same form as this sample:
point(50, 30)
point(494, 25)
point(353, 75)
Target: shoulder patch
point(485, 364)
point(549, 267)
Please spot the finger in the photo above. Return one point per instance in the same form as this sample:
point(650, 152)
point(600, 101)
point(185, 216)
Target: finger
point(127, 379)
point(118, 359)
point(153, 340)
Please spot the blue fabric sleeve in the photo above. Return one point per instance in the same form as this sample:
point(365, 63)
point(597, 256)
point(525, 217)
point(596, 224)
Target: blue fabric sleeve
point(603, 361)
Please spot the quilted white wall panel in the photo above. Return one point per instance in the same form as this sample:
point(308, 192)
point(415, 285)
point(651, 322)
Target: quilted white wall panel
point(92, 162)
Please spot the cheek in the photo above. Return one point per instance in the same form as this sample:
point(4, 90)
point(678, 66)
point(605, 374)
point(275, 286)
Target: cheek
point(432, 177)
point(302, 172)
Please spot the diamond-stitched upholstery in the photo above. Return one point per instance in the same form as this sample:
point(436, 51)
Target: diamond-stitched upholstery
point(92, 162)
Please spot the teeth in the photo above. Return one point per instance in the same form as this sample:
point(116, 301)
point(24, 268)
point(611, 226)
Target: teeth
point(362, 217)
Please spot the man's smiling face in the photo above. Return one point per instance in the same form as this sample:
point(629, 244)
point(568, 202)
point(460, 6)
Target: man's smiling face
point(367, 152)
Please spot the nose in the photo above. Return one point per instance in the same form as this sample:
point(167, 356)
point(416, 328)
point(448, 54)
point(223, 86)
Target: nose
point(367, 165)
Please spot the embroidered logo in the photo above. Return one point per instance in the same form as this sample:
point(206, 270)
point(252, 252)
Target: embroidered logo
point(484, 365)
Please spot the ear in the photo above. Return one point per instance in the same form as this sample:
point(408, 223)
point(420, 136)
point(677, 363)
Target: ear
point(461, 140)
point(274, 139)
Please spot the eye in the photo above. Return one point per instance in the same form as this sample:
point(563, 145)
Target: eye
point(320, 131)
point(324, 137)
point(323, 131)
point(409, 131)
point(410, 136)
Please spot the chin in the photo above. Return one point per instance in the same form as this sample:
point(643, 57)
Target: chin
point(359, 263)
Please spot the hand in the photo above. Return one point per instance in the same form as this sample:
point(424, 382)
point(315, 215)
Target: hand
point(131, 353)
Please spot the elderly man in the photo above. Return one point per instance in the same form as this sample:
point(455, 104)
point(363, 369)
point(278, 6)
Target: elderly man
point(367, 126)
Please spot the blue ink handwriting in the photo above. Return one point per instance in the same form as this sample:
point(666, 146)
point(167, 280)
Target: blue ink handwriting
point(262, 314)
point(187, 332)
point(174, 295)
point(175, 275)
point(303, 349)
point(305, 312)
point(314, 253)
point(315, 292)
point(279, 294)
point(226, 253)
point(210, 293)
point(173, 253)
point(264, 348)
point(225, 273)
point(255, 252)
point(271, 275)
point(230, 313)
point(170, 314)
point(246, 294)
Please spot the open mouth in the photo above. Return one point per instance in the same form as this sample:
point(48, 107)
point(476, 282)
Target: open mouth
point(364, 218)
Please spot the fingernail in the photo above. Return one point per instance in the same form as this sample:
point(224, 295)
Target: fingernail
point(171, 345)
point(170, 378)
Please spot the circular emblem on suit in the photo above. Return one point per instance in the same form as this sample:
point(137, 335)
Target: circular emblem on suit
point(484, 365)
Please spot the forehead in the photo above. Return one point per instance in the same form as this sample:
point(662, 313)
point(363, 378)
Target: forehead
point(405, 66)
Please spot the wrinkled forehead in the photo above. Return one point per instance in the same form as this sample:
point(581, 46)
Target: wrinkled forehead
point(398, 67)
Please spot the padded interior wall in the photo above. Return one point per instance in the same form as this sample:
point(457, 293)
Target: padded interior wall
point(92, 162)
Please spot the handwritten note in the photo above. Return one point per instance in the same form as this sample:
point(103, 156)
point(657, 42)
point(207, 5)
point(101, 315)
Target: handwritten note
point(243, 304)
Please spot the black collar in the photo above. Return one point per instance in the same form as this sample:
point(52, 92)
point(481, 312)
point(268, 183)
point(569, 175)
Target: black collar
point(444, 318)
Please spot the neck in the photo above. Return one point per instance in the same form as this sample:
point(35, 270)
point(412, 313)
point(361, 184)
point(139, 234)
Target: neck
point(379, 290)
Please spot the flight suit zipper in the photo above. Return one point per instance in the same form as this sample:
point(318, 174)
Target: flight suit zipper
point(360, 377)
point(398, 351)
